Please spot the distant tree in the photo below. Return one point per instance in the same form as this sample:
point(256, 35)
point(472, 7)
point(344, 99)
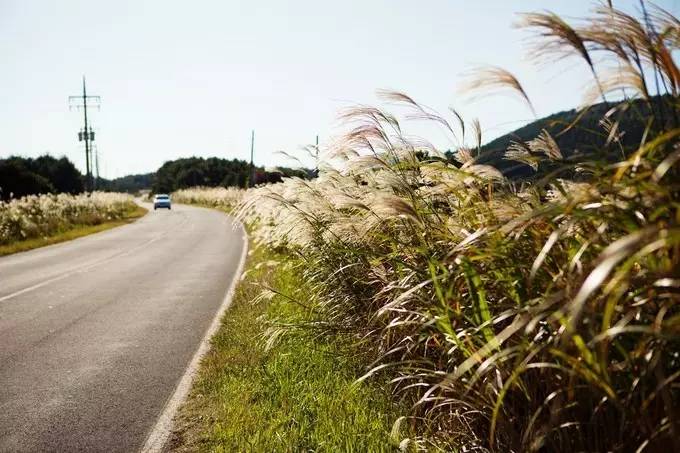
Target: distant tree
point(129, 183)
point(17, 181)
point(45, 174)
point(61, 173)
point(303, 173)
point(213, 171)
point(190, 177)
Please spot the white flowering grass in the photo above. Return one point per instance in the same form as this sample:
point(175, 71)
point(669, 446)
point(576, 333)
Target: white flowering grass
point(489, 305)
point(541, 315)
point(36, 216)
point(216, 197)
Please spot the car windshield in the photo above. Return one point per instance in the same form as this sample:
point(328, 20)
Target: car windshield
point(162, 197)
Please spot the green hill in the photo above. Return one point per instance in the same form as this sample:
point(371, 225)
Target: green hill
point(588, 137)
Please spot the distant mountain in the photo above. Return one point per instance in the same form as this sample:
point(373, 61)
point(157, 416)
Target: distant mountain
point(587, 137)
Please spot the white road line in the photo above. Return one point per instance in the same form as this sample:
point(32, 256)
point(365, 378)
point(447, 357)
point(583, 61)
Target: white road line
point(87, 267)
point(159, 434)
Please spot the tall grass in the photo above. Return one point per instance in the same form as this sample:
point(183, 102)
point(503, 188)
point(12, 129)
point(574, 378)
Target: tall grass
point(515, 316)
point(36, 216)
point(297, 396)
point(215, 197)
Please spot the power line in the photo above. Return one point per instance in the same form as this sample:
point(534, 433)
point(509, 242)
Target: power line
point(86, 134)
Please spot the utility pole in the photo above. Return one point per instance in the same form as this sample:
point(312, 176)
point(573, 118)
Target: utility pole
point(251, 179)
point(86, 134)
point(96, 165)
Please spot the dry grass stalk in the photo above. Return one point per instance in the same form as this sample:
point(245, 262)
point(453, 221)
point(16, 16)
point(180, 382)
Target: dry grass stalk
point(532, 316)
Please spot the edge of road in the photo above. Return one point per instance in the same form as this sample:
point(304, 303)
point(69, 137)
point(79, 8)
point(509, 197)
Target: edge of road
point(160, 433)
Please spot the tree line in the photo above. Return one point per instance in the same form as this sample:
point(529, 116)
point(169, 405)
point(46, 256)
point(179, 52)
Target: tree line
point(21, 176)
point(215, 172)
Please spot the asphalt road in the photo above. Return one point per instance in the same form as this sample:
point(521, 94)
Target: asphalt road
point(96, 333)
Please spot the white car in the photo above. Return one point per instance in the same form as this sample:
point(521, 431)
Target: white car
point(161, 201)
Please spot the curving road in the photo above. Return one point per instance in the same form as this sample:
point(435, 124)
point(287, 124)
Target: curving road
point(96, 333)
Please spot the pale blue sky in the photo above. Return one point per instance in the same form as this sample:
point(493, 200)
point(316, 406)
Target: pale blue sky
point(193, 78)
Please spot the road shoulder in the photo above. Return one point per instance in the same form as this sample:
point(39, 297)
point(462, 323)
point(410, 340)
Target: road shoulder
point(300, 394)
point(161, 431)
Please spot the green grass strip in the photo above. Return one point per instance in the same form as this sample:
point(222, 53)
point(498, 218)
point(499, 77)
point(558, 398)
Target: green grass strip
point(297, 396)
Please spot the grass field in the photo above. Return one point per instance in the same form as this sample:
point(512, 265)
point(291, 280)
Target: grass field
point(73, 232)
point(533, 315)
point(299, 395)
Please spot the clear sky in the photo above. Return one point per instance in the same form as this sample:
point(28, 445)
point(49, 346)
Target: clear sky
point(183, 78)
